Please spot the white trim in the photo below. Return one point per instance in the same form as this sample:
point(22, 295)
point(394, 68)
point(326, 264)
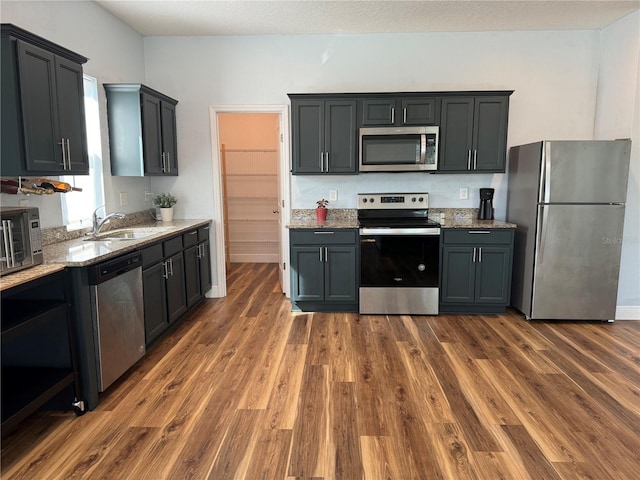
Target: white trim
point(628, 313)
point(220, 289)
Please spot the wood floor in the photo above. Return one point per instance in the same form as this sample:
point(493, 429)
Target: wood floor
point(245, 389)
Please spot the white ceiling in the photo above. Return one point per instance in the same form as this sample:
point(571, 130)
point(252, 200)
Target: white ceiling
point(295, 17)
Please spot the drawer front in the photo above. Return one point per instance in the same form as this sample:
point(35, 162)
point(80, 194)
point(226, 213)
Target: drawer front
point(478, 236)
point(323, 236)
point(203, 233)
point(172, 246)
point(190, 238)
point(152, 255)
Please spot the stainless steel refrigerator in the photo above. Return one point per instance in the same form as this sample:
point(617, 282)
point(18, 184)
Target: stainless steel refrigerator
point(568, 200)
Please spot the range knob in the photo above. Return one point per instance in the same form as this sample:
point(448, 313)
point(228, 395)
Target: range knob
point(413, 199)
point(365, 200)
point(372, 200)
point(421, 199)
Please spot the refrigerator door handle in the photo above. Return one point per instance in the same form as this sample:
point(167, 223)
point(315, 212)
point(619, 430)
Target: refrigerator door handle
point(545, 185)
point(542, 228)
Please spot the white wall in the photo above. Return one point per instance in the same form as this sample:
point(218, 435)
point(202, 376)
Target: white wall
point(618, 116)
point(115, 53)
point(554, 75)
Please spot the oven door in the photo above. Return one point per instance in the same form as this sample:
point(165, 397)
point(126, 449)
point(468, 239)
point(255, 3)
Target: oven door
point(399, 270)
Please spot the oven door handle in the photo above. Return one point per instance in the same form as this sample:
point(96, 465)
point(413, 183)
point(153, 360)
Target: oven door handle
point(400, 231)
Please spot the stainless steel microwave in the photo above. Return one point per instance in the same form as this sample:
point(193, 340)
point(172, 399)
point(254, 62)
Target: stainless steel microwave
point(398, 149)
point(21, 239)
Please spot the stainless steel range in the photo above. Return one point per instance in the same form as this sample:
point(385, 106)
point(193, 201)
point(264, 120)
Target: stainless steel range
point(399, 254)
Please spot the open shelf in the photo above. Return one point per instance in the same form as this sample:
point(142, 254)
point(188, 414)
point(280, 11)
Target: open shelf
point(25, 389)
point(20, 316)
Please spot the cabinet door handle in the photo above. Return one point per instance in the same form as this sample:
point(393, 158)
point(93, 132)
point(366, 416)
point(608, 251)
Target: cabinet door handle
point(475, 159)
point(164, 163)
point(192, 233)
point(320, 252)
point(404, 115)
point(171, 267)
point(68, 155)
point(474, 255)
point(480, 255)
point(168, 162)
point(327, 154)
point(393, 115)
point(64, 153)
point(323, 233)
point(479, 232)
point(468, 159)
point(165, 266)
point(326, 253)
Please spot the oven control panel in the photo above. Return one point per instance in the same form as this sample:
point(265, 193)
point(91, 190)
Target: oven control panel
point(393, 200)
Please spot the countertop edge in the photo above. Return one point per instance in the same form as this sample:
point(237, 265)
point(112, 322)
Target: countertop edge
point(28, 275)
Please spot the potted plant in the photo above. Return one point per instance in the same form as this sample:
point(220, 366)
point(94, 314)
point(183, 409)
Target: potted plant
point(165, 202)
point(321, 210)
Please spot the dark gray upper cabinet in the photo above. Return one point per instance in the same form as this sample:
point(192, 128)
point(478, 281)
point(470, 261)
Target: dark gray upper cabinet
point(473, 134)
point(136, 112)
point(385, 111)
point(324, 136)
point(43, 120)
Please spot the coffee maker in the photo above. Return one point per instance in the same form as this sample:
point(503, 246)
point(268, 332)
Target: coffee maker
point(485, 212)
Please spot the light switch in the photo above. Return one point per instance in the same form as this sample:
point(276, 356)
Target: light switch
point(464, 193)
point(124, 199)
point(333, 195)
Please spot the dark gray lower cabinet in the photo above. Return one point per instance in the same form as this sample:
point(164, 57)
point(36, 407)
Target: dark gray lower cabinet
point(324, 266)
point(476, 270)
point(155, 302)
point(176, 274)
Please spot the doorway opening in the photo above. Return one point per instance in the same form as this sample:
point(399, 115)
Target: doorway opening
point(251, 159)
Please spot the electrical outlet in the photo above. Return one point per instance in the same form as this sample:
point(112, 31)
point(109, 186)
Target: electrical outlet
point(333, 195)
point(124, 199)
point(464, 193)
point(148, 197)
point(24, 202)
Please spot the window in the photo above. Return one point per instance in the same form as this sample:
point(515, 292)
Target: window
point(77, 207)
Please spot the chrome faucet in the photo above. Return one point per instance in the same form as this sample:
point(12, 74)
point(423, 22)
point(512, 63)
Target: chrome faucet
point(99, 222)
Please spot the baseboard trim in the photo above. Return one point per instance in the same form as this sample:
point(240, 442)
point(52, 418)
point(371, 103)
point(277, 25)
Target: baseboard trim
point(214, 292)
point(628, 313)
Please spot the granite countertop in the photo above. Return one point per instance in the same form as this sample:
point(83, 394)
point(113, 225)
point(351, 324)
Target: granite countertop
point(348, 218)
point(28, 274)
point(80, 252)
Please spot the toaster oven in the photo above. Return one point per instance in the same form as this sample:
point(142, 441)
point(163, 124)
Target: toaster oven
point(20, 239)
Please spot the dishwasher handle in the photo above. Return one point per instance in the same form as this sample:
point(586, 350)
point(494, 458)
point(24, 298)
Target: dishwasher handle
point(105, 271)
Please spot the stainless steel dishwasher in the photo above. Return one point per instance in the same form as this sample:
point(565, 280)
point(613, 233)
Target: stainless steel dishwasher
point(118, 315)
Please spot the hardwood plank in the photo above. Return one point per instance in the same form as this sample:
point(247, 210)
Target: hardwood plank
point(536, 463)
point(244, 388)
point(345, 461)
point(270, 455)
point(310, 442)
point(379, 459)
point(541, 420)
point(300, 328)
point(232, 460)
point(484, 396)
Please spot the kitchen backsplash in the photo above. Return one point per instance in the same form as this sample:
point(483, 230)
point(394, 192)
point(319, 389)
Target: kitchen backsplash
point(60, 234)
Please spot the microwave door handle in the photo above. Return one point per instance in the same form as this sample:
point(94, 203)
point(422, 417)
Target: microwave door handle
point(423, 149)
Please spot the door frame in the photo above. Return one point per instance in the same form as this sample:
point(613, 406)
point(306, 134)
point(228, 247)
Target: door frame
point(284, 184)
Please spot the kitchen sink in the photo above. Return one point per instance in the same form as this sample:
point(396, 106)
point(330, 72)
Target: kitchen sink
point(129, 234)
